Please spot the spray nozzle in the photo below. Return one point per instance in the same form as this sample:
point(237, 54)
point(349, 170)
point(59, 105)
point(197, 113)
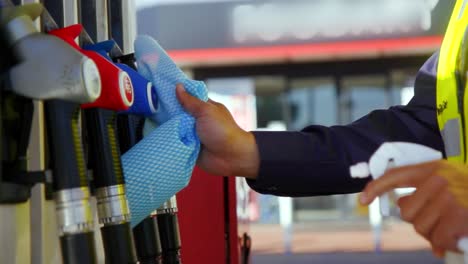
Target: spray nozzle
point(390, 155)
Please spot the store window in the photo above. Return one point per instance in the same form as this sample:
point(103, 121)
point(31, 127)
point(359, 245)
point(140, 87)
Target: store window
point(362, 94)
point(312, 101)
point(272, 108)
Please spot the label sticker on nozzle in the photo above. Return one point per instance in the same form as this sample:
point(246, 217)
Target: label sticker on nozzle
point(126, 88)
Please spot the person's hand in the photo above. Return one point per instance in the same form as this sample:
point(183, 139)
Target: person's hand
point(438, 209)
point(227, 149)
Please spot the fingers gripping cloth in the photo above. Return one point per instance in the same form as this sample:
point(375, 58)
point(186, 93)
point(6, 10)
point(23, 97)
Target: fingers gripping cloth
point(161, 164)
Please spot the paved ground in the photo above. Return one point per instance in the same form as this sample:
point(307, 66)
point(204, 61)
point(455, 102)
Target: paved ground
point(321, 237)
point(339, 242)
point(407, 257)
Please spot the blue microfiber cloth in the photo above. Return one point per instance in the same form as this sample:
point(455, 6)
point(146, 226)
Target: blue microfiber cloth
point(161, 164)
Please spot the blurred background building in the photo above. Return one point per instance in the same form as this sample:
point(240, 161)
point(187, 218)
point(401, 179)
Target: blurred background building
point(283, 65)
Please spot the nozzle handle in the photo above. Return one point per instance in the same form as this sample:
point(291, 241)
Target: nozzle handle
point(104, 153)
point(65, 146)
point(117, 88)
point(116, 85)
point(146, 98)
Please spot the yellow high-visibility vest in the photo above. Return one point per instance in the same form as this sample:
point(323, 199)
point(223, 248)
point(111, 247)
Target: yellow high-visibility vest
point(452, 103)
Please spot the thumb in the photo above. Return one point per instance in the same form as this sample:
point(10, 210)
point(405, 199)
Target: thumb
point(190, 103)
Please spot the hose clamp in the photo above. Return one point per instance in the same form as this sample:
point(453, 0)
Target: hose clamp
point(112, 205)
point(73, 209)
point(168, 207)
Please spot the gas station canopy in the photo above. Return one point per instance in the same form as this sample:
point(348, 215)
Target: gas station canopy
point(251, 32)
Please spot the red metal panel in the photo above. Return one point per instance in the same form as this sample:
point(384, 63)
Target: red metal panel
point(234, 237)
point(202, 220)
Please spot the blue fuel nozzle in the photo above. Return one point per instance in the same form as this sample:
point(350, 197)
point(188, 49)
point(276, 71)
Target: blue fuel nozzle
point(146, 98)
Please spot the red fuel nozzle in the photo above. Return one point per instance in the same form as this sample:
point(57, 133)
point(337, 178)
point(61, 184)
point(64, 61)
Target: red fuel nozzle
point(117, 89)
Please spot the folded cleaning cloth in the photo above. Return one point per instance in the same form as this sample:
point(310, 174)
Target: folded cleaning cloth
point(161, 164)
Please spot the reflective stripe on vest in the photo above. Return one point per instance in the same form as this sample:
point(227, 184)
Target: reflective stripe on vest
point(452, 130)
point(448, 111)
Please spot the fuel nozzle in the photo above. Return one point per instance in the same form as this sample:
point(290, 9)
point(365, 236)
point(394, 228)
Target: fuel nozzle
point(117, 89)
point(146, 98)
point(130, 126)
point(169, 231)
point(147, 241)
point(49, 68)
point(103, 152)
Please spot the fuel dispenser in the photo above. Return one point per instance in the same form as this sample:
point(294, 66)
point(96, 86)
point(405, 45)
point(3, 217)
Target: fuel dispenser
point(104, 154)
point(80, 84)
point(130, 127)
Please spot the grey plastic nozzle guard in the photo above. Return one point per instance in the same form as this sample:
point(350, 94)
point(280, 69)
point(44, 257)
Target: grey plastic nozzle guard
point(49, 68)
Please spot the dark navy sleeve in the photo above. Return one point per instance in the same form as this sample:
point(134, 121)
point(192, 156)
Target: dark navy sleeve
point(316, 160)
